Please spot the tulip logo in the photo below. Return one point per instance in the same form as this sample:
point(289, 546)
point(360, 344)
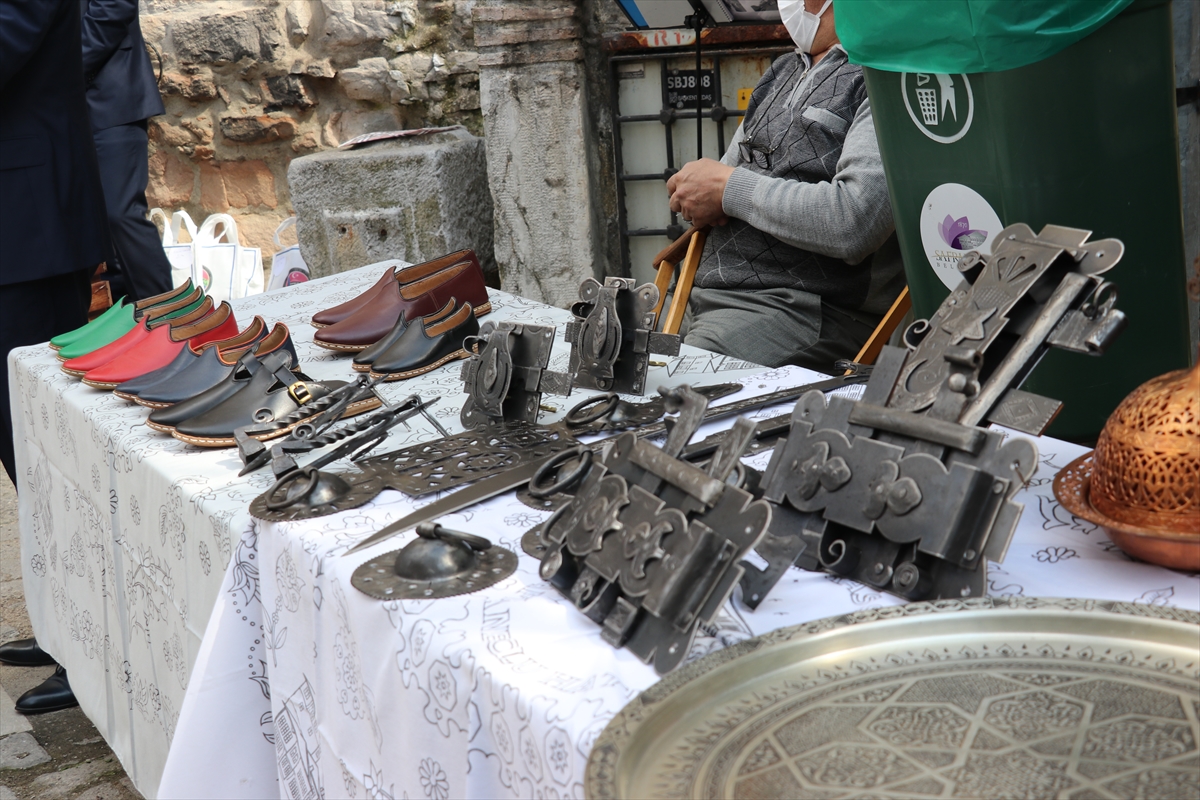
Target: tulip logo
point(955, 219)
point(957, 233)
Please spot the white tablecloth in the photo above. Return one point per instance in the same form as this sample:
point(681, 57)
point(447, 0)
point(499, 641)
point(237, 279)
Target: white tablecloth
point(146, 577)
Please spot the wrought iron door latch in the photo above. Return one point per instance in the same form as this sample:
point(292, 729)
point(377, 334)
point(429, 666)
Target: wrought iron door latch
point(319, 416)
point(649, 547)
point(309, 491)
point(612, 335)
point(902, 490)
point(506, 374)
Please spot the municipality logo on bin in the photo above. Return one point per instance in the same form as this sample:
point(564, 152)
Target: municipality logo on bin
point(941, 105)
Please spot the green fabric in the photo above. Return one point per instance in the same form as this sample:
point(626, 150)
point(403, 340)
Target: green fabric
point(64, 339)
point(953, 36)
point(94, 336)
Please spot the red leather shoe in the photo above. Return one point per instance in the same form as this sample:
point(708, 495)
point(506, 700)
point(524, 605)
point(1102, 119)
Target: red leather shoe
point(161, 345)
point(161, 315)
point(462, 281)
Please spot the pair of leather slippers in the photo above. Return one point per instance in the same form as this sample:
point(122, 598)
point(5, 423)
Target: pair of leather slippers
point(412, 320)
point(261, 386)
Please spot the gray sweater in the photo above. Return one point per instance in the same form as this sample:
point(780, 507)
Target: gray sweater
point(814, 214)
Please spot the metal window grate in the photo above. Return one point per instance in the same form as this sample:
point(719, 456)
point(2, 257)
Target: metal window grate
point(668, 116)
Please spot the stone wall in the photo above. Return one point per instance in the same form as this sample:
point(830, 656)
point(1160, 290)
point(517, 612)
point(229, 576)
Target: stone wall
point(250, 84)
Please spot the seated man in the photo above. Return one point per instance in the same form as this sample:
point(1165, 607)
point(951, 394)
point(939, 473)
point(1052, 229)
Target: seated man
point(803, 259)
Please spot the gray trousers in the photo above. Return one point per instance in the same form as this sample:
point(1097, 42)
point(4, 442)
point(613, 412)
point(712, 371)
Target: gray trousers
point(774, 327)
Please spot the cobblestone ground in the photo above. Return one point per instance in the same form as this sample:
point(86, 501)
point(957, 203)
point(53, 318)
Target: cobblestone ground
point(56, 756)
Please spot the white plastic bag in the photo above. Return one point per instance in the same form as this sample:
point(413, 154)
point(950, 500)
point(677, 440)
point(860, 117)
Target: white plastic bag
point(221, 265)
point(287, 265)
point(178, 253)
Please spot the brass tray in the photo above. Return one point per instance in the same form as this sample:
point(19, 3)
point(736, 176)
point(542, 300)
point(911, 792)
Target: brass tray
point(987, 697)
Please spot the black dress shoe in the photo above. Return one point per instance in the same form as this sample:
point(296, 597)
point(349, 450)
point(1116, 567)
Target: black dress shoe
point(25, 653)
point(363, 360)
point(52, 694)
point(175, 374)
point(279, 340)
point(427, 343)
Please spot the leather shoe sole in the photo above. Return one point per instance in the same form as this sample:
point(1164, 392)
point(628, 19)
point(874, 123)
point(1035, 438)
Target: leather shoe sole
point(352, 410)
point(412, 373)
point(133, 398)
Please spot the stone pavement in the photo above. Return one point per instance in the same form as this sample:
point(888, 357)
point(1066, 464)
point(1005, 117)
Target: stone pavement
point(57, 756)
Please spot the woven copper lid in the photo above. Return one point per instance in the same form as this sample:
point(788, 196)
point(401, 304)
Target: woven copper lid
point(1146, 471)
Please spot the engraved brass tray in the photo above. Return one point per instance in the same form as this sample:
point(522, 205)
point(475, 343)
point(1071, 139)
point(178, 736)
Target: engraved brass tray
point(986, 697)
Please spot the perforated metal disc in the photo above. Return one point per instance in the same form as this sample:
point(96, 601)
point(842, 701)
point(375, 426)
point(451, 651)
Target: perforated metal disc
point(363, 489)
point(378, 578)
point(1004, 697)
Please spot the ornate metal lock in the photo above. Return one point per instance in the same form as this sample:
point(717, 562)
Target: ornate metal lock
point(507, 374)
point(902, 490)
point(612, 335)
point(649, 548)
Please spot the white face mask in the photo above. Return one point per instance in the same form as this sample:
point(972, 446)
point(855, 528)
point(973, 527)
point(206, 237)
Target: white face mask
point(801, 24)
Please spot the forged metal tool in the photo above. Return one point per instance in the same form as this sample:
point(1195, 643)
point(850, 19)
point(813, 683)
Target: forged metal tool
point(901, 490)
point(329, 408)
point(454, 460)
point(649, 548)
point(499, 483)
point(612, 335)
point(505, 377)
point(306, 492)
point(438, 563)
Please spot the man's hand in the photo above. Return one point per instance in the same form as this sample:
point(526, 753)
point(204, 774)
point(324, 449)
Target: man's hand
point(697, 189)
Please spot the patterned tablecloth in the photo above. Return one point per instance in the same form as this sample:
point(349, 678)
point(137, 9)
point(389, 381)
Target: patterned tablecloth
point(147, 578)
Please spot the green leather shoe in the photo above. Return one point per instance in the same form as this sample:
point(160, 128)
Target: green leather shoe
point(125, 320)
point(116, 309)
point(93, 337)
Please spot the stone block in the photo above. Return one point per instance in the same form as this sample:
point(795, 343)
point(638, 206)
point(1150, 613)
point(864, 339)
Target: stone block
point(367, 81)
point(288, 91)
point(236, 184)
point(257, 129)
point(411, 199)
point(21, 751)
point(248, 183)
point(351, 24)
point(228, 37)
point(171, 180)
point(344, 125)
point(196, 88)
point(64, 783)
point(547, 226)
point(10, 721)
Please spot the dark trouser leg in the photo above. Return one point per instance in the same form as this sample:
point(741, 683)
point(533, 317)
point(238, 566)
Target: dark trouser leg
point(33, 312)
point(124, 171)
point(774, 327)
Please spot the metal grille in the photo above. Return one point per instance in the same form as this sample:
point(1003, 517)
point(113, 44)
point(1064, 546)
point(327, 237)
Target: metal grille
point(668, 117)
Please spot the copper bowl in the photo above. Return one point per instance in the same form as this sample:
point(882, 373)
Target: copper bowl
point(1167, 548)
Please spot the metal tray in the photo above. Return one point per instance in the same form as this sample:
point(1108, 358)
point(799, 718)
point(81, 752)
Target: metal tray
point(987, 697)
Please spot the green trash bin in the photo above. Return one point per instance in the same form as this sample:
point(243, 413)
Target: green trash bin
point(1086, 138)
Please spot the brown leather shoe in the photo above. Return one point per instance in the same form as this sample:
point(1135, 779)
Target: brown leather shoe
point(429, 289)
point(413, 272)
point(328, 316)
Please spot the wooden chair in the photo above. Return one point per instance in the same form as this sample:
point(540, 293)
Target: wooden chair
point(690, 246)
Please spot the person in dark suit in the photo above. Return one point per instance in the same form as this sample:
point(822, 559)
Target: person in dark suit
point(122, 95)
point(53, 231)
